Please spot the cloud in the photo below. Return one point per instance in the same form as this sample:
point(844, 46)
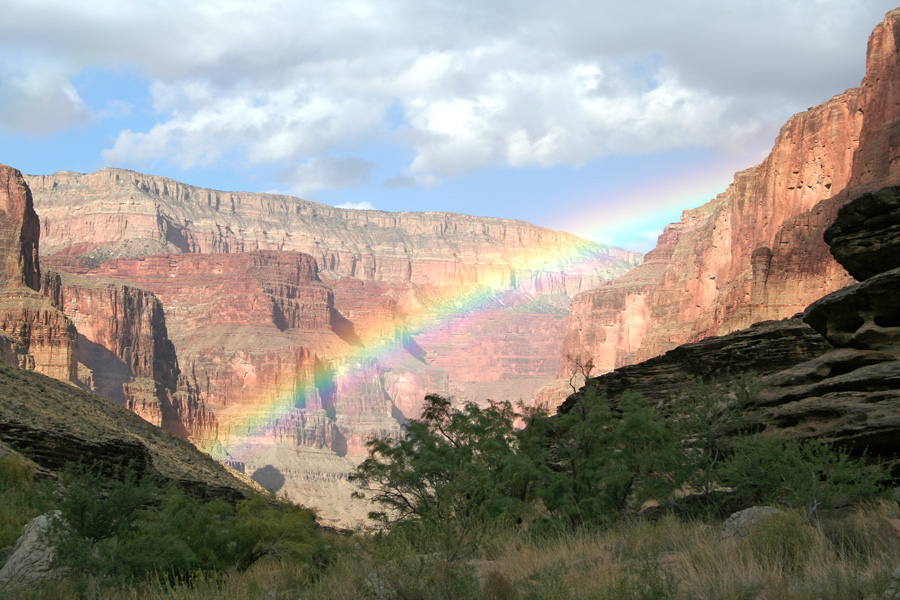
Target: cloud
point(412, 181)
point(365, 205)
point(327, 172)
point(38, 99)
point(459, 85)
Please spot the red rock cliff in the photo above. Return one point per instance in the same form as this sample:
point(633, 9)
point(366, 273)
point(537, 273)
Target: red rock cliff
point(36, 335)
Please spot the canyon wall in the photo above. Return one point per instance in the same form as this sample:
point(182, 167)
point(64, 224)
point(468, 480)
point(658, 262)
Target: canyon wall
point(35, 334)
point(756, 251)
point(114, 213)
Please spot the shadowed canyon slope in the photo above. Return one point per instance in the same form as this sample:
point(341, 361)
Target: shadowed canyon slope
point(756, 251)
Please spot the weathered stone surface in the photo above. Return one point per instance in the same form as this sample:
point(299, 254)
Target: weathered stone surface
point(864, 315)
point(865, 237)
point(33, 557)
point(763, 349)
point(739, 525)
point(19, 232)
point(756, 251)
point(847, 396)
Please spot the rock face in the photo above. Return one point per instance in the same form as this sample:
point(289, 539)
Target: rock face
point(114, 213)
point(37, 336)
point(755, 252)
point(865, 237)
point(763, 349)
point(51, 423)
point(124, 352)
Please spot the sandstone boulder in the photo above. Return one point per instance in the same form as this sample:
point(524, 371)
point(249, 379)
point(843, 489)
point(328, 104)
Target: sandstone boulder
point(763, 349)
point(864, 316)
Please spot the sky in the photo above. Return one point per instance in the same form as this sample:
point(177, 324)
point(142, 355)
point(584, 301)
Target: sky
point(605, 119)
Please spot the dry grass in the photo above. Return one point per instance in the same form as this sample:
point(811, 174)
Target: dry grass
point(669, 559)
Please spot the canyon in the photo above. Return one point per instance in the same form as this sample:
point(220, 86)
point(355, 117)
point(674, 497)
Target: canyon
point(279, 335)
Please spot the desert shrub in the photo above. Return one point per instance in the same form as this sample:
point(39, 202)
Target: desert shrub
point(799, 473)
point(126, 527)
point(603, 461)
point(452, 475)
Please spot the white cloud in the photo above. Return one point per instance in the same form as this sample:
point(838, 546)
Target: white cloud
point(478, 84)
point(365, 205)
point(38, 99)
point(309, 177)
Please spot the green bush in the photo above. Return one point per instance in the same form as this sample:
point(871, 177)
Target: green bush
point(123, 526)
point(799, 473)
point(451, 476)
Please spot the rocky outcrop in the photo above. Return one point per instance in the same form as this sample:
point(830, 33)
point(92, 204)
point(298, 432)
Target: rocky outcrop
point(835, 378)
point(850, 395)
point(756, 251)
point(36, 335)
point(763, 349)
point(124, 351)
point(33, 557)
point(19, 232)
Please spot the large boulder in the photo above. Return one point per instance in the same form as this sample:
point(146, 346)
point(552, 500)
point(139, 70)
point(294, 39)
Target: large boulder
point(739, 525)
point(865, 237)
point(33, 558)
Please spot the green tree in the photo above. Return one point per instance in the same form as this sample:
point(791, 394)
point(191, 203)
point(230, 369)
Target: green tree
point(604, 460)
point(454, 473)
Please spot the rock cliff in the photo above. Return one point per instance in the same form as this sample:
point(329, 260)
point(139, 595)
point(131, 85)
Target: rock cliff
point(756, 251)
point(301, 330)
point(36, 335)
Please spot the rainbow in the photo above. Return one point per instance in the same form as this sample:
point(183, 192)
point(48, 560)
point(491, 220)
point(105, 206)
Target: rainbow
point(449, 308)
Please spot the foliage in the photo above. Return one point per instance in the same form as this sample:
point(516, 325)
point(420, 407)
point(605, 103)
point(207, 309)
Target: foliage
point(801, 473)
point(124, 526)
point(21, 498)
point(698, 415)
point(603, 461)
point(453, 472)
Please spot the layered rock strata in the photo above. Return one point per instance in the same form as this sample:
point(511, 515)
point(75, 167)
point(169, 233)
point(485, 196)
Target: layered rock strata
point(114, 213)
point(52, 423)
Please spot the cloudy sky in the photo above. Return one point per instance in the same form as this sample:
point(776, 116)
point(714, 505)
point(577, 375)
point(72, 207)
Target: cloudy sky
point(602, 118)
